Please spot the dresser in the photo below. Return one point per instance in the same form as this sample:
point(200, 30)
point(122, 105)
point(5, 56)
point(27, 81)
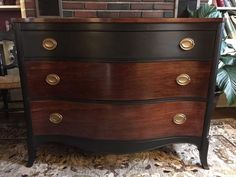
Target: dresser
point(118, 85)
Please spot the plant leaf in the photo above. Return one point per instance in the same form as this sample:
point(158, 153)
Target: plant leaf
point(228, 59)
point(223, 46)
point(215, 14)
point(205, 11)
point(192, 13)
point(226, 81)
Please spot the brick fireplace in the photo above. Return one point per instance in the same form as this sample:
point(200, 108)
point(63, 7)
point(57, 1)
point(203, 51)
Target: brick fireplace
point(112, 8)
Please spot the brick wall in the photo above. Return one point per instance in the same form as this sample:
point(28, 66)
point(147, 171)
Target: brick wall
point(111, 8)
point(130, 8)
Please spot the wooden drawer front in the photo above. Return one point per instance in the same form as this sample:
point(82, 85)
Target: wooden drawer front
point(117, 122)
point(117, 81)
point(119, 45)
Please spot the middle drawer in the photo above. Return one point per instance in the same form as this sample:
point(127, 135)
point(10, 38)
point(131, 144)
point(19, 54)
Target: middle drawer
point(117, 81)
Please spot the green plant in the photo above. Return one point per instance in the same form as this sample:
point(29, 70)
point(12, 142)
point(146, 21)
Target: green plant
point(205, 11)
point(226, 77)
point(226, 73)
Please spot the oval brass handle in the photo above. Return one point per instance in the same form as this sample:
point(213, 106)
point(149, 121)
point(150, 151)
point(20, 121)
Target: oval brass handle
point(183, 79)
point(179, 119)
point(49, 44)
point(55, 118)
point(52, 79)
point(187, 44)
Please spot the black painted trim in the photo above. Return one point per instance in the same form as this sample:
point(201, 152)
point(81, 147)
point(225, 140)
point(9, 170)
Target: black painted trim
point(117, 147)
point(24, 86)
point(145, 45)
point(211, 96)
point(212, 82)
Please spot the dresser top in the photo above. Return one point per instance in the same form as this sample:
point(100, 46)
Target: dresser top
point(118, 20)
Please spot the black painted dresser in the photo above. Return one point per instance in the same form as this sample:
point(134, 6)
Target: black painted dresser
point(118, 85)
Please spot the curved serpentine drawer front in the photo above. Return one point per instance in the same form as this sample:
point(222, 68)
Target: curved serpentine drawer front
point(119, 45)
point(117, 121)
point(117, 81)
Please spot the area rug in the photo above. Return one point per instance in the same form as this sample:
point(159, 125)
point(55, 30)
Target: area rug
point(178, 160)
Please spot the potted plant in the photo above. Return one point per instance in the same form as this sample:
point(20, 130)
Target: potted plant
point(226, 73)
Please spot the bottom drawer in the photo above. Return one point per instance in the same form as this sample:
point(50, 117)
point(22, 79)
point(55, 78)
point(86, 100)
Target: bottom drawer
point(118, 121)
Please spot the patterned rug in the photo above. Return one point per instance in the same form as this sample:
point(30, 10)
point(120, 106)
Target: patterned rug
point(179, 160)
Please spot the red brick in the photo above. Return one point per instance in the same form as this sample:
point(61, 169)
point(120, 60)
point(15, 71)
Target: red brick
point(96, 6)
point(118, 8)
point(142, 6)
point(30, 4)
point(131, 0)
point(85, 14)
point(164, 6)
point(69, 5)
point(30, 13)
point(153, 0)
point(152, 14)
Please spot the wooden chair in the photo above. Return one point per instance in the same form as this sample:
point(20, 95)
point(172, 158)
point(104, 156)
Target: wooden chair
point(8, 81)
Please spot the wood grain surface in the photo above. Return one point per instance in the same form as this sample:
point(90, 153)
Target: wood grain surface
point(117, 20)
point(117, 81)
point(117, 121)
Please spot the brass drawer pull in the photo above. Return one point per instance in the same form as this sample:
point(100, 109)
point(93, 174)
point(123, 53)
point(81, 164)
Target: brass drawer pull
point(187, 44)
point(179, 119)
point(49, 44)
point(183, 79)
point(55, 118)
point(52, 79)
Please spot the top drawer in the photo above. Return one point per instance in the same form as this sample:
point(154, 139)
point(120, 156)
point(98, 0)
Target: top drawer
point(118, 45)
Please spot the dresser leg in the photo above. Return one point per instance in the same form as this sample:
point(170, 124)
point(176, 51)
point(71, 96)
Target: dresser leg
point(203, 154)
point(31, 157)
